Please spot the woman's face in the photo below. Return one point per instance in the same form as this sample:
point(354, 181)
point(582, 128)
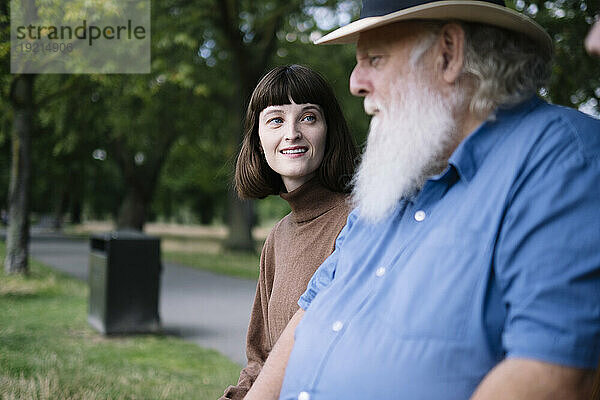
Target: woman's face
point(293, 139)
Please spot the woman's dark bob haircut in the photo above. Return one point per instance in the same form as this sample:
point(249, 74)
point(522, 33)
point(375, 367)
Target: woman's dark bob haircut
point(282, 85)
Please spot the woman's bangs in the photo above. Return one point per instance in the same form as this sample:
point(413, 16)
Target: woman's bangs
point(286, 88)
point(303, 91)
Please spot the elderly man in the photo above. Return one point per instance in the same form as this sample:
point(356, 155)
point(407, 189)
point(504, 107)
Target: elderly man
point(470, 267)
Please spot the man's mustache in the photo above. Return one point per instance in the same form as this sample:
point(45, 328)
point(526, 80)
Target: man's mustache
point(371, 107)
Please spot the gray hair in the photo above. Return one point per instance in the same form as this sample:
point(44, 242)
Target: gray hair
point(504, 67)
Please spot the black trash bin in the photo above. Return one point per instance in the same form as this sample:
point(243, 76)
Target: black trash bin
point(124, 276)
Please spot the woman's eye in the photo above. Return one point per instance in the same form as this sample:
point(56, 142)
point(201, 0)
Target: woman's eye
point(309, 118)
point(275, 120)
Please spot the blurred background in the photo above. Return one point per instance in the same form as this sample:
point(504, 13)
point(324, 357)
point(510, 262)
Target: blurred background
point(155, 153)
point(134, 149)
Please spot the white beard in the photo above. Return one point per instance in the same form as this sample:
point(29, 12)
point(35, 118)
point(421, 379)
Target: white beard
point(409, 141)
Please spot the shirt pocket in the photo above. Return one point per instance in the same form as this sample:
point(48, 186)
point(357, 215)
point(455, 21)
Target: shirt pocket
point(431, 292)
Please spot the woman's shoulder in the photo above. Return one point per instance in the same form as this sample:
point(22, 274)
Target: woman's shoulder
point(342, 205)
point(279, 226)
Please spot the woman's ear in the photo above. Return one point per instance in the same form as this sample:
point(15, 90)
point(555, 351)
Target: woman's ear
point(450, 49)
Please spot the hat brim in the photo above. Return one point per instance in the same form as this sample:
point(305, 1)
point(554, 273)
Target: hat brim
point(470, 11)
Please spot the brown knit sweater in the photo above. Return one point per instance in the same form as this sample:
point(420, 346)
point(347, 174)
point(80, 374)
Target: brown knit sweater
point(294, 249)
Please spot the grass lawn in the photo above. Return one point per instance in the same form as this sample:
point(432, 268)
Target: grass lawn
point(233, 264)
point(48, 351)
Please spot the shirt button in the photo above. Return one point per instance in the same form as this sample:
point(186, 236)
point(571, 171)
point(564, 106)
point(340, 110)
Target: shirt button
point(337, 326)
point(380, 271)
point(420, 215)
point(304, 396)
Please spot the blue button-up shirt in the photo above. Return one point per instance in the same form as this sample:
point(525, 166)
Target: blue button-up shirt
point(498, 256)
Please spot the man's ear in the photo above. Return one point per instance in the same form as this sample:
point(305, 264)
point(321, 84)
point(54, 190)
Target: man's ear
point(451, 52)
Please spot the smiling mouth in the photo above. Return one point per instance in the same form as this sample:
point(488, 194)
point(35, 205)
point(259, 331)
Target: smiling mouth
point(294, 150)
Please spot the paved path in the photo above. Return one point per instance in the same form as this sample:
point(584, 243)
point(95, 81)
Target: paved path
point(205, 308)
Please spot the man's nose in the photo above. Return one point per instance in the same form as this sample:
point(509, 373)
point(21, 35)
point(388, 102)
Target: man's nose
point(359, 85)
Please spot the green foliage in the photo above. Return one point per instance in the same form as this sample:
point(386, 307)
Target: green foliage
point(575, 80)
point(47, 350)
point(184, 118)
point(195, 176)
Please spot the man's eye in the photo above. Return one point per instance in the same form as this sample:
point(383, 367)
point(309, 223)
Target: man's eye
point(373, 60)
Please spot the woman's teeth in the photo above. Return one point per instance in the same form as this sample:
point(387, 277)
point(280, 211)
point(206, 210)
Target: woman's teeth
point(294, 151)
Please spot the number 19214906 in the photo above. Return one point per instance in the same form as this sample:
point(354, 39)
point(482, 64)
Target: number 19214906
point(45, 47)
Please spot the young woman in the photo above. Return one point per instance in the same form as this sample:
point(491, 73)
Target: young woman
point(296, 145)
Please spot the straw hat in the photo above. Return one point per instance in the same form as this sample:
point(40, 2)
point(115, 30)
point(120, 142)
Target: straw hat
point(376, 13)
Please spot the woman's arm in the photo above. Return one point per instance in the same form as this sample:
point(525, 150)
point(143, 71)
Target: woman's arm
point(257, 350)
point(268, 384)
point(258, 343)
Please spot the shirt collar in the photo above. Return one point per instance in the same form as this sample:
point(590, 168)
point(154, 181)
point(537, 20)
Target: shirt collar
point(471, 152)
point(311, 200)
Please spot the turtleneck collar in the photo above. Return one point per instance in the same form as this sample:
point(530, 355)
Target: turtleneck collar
point(311, 200)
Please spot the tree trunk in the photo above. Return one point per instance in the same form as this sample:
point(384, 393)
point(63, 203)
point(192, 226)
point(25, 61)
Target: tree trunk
point(60, 205)
point(76, 208)
point(240, 220)
point(140, 184)
point(17, 236)
point(241, 215)
point(132, 212)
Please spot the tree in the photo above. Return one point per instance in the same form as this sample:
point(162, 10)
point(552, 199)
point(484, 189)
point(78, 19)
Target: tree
point(21, 99)
point(146, 114)
point(22, 102)
point(68, 150)
point(140, 165)
point(17, 237)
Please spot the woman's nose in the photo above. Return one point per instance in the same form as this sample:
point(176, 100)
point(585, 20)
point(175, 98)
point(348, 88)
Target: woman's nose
point(293, 132)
